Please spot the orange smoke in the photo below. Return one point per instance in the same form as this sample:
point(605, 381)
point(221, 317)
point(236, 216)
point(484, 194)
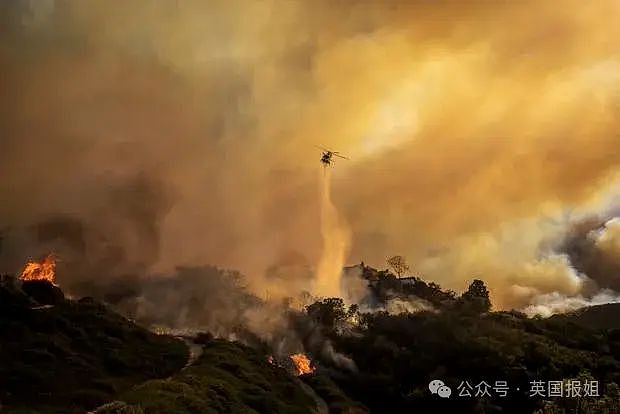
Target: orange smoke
point(46, 270)
point(302, 364)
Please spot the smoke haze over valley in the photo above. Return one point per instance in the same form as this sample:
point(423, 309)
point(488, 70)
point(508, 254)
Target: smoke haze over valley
point(483, 141)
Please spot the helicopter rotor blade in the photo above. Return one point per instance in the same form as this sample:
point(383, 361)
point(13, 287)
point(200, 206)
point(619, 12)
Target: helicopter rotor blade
point(341, 156)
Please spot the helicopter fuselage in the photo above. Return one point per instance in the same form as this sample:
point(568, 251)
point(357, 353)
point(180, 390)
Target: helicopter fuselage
point(326, 158)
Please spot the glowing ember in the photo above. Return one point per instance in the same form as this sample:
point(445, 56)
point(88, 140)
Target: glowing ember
point(46, 270)
point(302, 364)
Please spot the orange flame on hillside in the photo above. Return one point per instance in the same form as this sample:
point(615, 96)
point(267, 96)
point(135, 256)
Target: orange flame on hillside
point(302, 364)
point(46, 270)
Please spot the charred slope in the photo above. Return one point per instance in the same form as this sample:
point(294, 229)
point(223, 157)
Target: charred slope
point(64, 356)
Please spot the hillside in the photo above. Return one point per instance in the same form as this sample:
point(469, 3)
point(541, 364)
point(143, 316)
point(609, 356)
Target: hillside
point(461, 340)
point(398, 355)
point(605, 316)
point(73, 355)
point(228, 378)
point(65, 356)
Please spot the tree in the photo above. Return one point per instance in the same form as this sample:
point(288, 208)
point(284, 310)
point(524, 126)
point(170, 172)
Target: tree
point(353, 311)
point(399, 265)
point(327, 312)
point(476, 298)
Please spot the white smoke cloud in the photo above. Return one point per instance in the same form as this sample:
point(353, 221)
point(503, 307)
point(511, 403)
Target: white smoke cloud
point(555, 302)
point(607, 238)
point(411, 304)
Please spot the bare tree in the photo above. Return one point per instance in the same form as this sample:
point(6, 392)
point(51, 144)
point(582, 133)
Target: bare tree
point(399, 265)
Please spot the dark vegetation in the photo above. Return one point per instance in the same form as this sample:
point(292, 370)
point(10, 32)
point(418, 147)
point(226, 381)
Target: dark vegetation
point(337, 401)
point(397, 355)
point(383, 285)
point(70, 356)
point(600, 316)
point(228, 378)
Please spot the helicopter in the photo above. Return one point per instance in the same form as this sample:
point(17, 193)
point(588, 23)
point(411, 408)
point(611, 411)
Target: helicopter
point(327, 156)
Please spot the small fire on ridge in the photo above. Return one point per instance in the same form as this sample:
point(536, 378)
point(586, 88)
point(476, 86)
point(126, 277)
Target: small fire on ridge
point(45, 270)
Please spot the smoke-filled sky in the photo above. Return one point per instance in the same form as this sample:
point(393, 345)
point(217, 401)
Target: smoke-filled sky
point(481, 134)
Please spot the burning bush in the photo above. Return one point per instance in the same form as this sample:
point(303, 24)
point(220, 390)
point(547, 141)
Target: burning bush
point(303, 364)
point(39, 281)
point(45, 270)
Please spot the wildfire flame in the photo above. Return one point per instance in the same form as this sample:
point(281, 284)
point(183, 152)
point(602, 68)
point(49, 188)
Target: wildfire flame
point(46, 270)
point(302, 364)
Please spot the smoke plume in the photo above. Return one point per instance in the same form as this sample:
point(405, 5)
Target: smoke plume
point(336, 239)
point(142, 137)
